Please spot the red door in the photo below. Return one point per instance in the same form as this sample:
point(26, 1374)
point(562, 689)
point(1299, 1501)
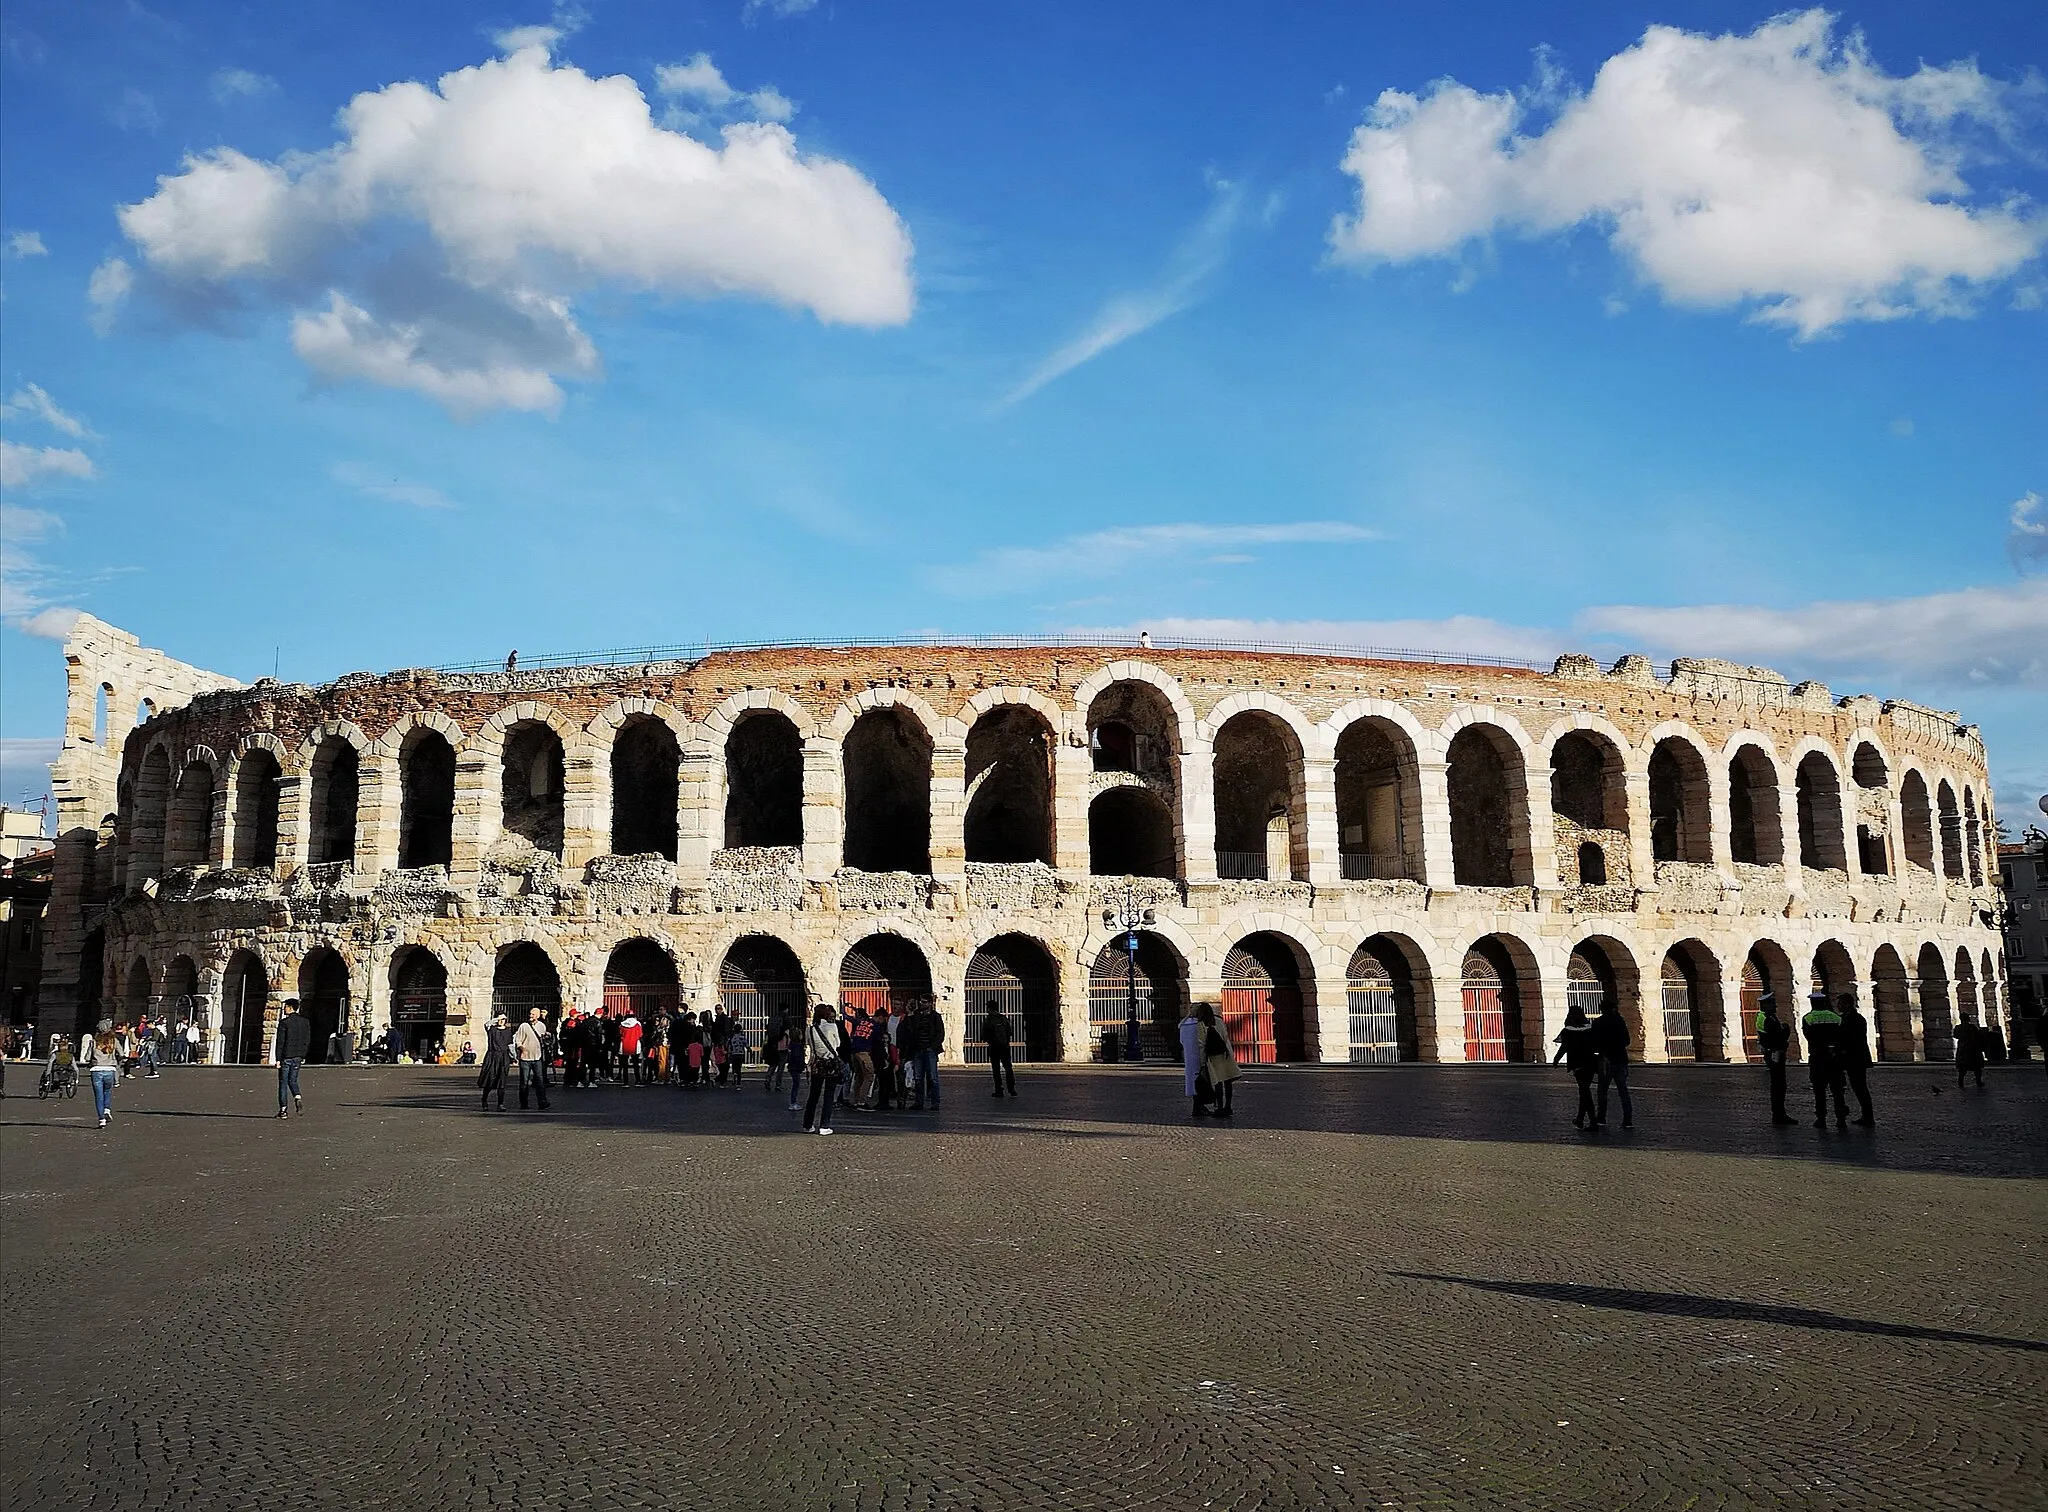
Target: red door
point(1486, 1026)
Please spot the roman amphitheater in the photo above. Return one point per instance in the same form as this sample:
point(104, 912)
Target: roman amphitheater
point(1357, 858)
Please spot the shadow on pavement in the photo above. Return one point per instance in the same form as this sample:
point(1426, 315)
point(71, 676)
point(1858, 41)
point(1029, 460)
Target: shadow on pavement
point(1683, 1305)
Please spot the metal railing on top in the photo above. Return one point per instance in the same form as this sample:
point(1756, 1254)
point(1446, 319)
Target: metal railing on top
point(1241, 866)
point(1369, 866)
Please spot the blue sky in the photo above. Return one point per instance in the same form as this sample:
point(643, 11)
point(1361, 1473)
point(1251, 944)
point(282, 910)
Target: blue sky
point(1518, 329)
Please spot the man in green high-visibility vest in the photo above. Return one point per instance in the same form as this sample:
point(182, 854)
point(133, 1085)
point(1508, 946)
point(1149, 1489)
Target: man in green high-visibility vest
point(1822, 1027)
point(1773, 1038)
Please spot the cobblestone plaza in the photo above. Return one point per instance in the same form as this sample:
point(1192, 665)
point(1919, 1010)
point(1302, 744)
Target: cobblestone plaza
point(1384, 1287)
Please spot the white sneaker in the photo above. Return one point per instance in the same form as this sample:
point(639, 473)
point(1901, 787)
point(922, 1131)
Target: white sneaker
point(298, 1106)
point(103, 1123)
point(824, 1131)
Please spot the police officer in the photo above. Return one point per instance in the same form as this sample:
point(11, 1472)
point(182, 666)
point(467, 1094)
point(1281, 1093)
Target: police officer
point(1773, 1037)
point(1854, 1037)
point(1823, 1027)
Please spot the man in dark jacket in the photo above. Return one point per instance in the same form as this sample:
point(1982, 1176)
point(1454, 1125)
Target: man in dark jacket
point(1853, 1042)
point(995, 1033)
point(294, 1043)
point(927, 1033)
point(1822, 1027)
point(1773, 1038)
point(1610, 1038)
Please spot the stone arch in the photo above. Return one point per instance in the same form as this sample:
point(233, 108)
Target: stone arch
point(763, 766)
point(178, 997)
point(884, 972)
point(324, 997)
point(1261, 785)
point(761, 981)
point(931, 724)
point(1950, 821)
point(1756, 829)
point(152, 816)
point(1968, 1010)
point(1589, 803)
point(489, 739)
point(1020, 974)
point(1487, 787)
point(1973, 838)
point(1601, 966)
point(1817, 787)
point(254, 777)
point(246, 1013)
point(189, 835)
point(1130, 833)
point(1152, 983)
point(1987, 989)
point(644, 772)
point(1499, 984)
point(1131, 670)
point(419, 997)
point(1937, 1010)
point(1916, 820)
point(1378, 782)
point(1009, 695)
point(138, 991)
point(1269, 1010)
point(1869, 767)
point(1834, 970)
point(1010, 755)
point(1693, 1014)
point(1391, 1007)
point(642, 977)
point(532, 787)
point(526, 976)
point(886, 756)
point(1768, 968)
point(426, 762)
point(1891, 1005)
point(1681, 795)
point(331, 760)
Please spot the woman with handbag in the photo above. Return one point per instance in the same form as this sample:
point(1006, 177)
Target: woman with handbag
point(1219, 1065)
point(827, 1049)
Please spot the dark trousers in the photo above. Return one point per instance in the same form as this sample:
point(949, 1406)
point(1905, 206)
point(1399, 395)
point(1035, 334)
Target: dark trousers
point(1614, 1073)
point(927, 1078)
point(1827, 1079)
point(288, 1080)
point(1859, 1083)
point(533, 1073)
point(999, 1067)
point(1587, 1113)
point(1963, 1071)
point(1777, 1069)
point(818, 1110)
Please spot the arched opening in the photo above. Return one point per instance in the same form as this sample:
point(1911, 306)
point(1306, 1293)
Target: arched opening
point(1833, 971)
point(1973, 839)
point(1268, 1007)
point(525, 979)
point(191, 829)
point(1868, 772)
point(888, 793)
point(100, 696)
point(245, 1014)
point(1937, 1016)
point(1017, 974)
point(145, 711)
point(1916, 820)
point(640, 978)
point(1692, 1017)
point(1866, 767)
point(152, 817)
point(530, 786)
point(1967, 1010)
point(1602, 968)
point(1009, 787)
point(1150, 982)
point(138, 992)
point(1987, 990)
point(324, 998)
point(881, 973)
point(1681, 804)
point(419, 999)
point(256, 797)
point(1768, 968)
point(1819, 792)
point(1130, 834)
point(426, 809)
point(1387, 1025)
point(1132, 728)
point(1589, 807)
point(1379, 802)
point(764, 782)
point(336, 786)
point(1261, 824)
point(645, 762)
point(1951, 832)
point(1755, 835)
point(1891, 996)
point(1492, 990)
point(1489, 832)
point(760, 978)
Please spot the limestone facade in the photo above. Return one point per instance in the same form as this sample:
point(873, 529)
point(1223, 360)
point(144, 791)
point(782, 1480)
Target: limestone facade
point(1386, 859)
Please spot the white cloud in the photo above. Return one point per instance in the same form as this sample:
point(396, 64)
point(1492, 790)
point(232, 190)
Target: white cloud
point(108, 288)
point(32, 402)
point(532, 181)
point(25, 583)
point(2026, 538)
point(1459, 634)
point(700, 83)
point(53, 623)
point(25, 766)
point(137, 112)
point(1782, 169)
point(1110, 553)
point(231, 84)
point(25, 466)
point(27, 244)
point(1181, 284)
point(781, 10)
point(391, 490)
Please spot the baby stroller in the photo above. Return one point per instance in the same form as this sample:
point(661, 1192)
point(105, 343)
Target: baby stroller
point(60, 1076)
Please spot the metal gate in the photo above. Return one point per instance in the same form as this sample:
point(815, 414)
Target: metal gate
point(1261, 1016)
point(758, 979)
point(1375, 1019)
point(1028, 1001)
point(1680, 1022)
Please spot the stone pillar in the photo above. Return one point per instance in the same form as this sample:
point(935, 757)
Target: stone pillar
point(1439, 870)
point(1319, 801)
point(949, 808)
point(700, 817)
point(478, 812)
point(1333, 1015)
point(1196, 819)
point(220, 834)
point(1071, 766)
point(294, 837)
point(1541, 826)
point(586, 826)
point(824, 824)
point(1449, 982)
point(1076, 1043)
point(380, 814)
point(1788, 831)
point(1720, 833)
point(1642, 851)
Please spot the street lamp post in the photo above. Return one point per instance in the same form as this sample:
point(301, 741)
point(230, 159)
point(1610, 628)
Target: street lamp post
point(1127, 914)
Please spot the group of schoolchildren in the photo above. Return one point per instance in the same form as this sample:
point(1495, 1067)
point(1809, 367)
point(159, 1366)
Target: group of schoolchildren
point(680, 1047)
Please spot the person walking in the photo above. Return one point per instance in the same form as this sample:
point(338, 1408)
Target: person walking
point(827, 1050)
point(995, 1033)
point(294, 1044)
point(771, 1050)
point(631, 1067)
point(1219, 1066)
point(99, 1054)
point(1969, 1053)
point(1822, 1028)
point(1854, 1040)
point(497, 1064)
point(1610, 1039)
point(1575, 1049)
point(1773, 1040)
point(530, 1045)
point(1191, 1059)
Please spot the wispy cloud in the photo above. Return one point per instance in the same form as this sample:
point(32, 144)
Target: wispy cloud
point(106, 291)
point(709, 97)
point(1109, 553)
point(231, 84)
point(25, 466)
point(26, 244)
point(25, 766)
point(781, 10)
point(32, 402)
point(2026, 538)
point(372, 484)
point(1184, 281)
point(27, 585)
